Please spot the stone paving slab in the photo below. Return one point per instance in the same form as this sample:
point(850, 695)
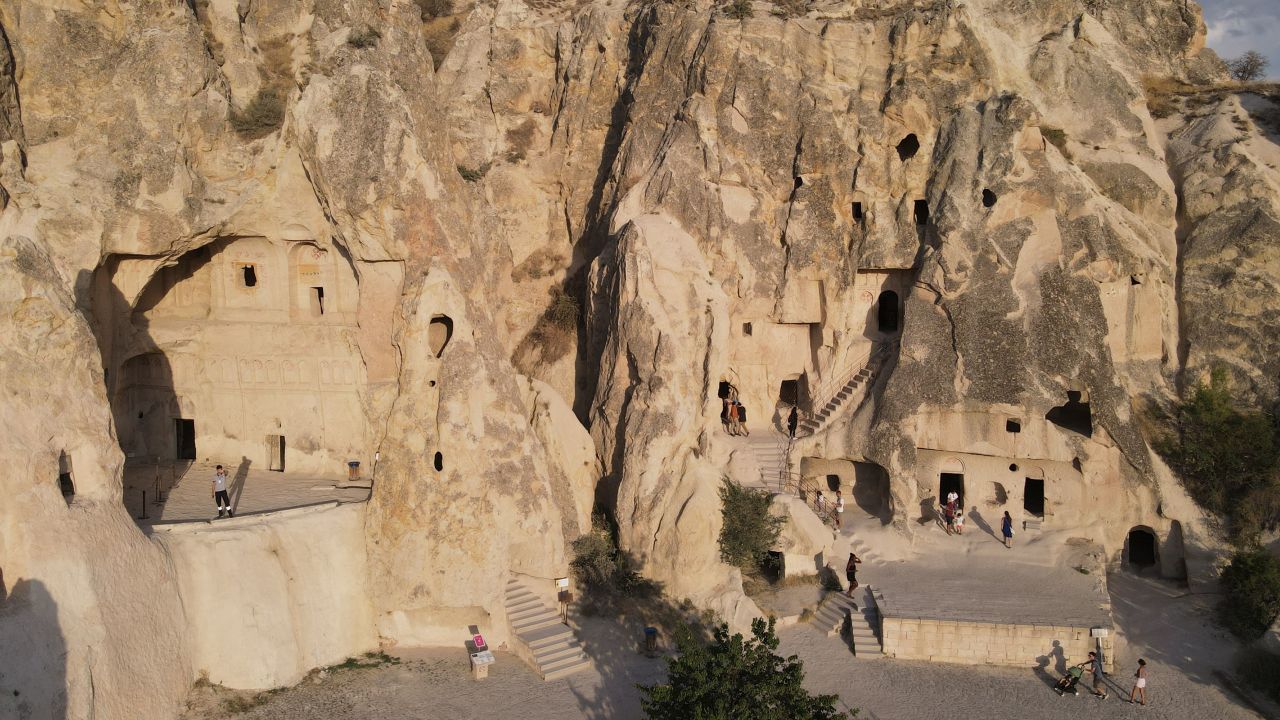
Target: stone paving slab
point(252, 492)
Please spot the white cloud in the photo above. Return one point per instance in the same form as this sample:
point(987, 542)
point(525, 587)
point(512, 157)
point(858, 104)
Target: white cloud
point(1239, 25)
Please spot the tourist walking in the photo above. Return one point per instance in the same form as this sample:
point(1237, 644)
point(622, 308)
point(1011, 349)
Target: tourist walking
point(220, 495)
point(839, 510)
point(1094, 666)
point(953, 498)
point(724, 414)
point(734, 426)
point(1139, 692)
point(851, 573)
point(793, 419)
point(949, 514)
point(742, 419)
point(959, 521)
point(1006, 529)
point(820, 503)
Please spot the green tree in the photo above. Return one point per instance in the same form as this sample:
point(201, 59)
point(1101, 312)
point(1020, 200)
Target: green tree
point(1252, 599)
point(733, 678)
point(749, 530)
point(1226, 457)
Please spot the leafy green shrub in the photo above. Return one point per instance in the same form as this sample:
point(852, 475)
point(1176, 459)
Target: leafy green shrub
point(1227, 458)
point(749, 531)
point(733, 677)
point(739, 9)
point(1261, 669)
point(1252, 593)
point(366, 38)
point(263, 115)
point(602, 571)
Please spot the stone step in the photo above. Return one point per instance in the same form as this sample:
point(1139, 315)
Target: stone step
point(542, 620)
point(547, 636)
point(529, 611)
point(552, 653)
point(570, 666)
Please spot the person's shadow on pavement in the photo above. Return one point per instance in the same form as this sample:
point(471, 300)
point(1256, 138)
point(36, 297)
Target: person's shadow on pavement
point(1059, 660)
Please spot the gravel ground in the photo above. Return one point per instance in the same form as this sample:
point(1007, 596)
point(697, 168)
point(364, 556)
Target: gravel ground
point(1159, 622)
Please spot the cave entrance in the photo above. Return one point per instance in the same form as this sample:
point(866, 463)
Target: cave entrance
point(184, 432)
point(908, 147)
point(949, 482)
point(1033, 497)
point(887, 315)
point(1140, 547)
point(789, 392)
point(275, 453)
point(1074, 415)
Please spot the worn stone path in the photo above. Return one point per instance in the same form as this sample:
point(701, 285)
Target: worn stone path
point(252, 492)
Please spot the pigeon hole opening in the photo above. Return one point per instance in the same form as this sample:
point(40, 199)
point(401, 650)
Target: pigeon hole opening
point(439, 333)
point(1074, 415)
point(922, 212)
point(988, 198)
point(1013, 426)
point(908, 147)
point(438, 461)
point(746, 329)
point(1033, 497)
point(65, 482)
point(249, 276)
point(1140, 547)
point(857, 212)
point(887, 314)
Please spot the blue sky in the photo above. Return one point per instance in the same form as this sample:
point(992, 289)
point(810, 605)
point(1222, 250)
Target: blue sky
point(1239, 25)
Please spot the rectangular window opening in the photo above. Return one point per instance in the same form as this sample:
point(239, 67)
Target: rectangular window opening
point(1013, 425)
point(922, 212)
point(317, 301)
point(249, 275)
point(746, 328)
point(857, 211)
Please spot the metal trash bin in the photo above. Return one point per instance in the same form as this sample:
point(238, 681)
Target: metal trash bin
point(651, 639)
point(353, 470)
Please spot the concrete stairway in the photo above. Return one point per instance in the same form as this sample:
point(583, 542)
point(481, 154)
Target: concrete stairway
point(770, 449)
point(863, 615)
point(539, 637)
point(858, 381)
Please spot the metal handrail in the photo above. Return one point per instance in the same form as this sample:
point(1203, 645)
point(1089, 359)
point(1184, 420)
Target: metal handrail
point(832, 385)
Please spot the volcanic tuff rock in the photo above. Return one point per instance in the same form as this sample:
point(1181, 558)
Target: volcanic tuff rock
point(616, 207)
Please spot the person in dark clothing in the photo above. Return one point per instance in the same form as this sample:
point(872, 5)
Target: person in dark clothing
point(1006, 529)
point(793, 419)
point(742, 418)
point(851, 573)
point(220, 495)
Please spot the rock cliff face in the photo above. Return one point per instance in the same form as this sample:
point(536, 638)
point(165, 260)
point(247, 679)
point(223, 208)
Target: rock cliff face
point(419, 241)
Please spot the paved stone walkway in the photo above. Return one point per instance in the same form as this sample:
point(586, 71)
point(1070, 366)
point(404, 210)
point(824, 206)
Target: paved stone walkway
point(252, 492)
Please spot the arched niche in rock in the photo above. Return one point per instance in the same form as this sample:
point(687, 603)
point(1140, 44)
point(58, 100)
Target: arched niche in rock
point(439, 332)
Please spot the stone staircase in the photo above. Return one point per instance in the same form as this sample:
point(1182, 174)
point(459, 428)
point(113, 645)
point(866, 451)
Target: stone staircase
point(1032, 523)
point(539, 637)
point(770, 449)
point(864, 619)
point(865, 374)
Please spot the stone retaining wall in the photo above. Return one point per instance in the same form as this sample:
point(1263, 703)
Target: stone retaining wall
point(980, 643)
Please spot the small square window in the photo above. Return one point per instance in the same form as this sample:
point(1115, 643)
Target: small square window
point(746, 328)
point(1013, 425)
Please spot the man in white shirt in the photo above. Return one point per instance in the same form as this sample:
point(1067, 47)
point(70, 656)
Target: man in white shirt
point(220, 495)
